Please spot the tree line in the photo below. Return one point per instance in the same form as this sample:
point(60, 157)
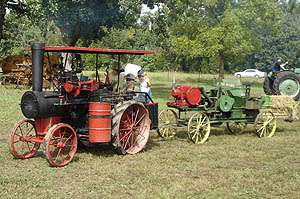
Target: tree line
point(191, 35)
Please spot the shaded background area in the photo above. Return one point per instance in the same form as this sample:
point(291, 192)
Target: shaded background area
point(207, 36)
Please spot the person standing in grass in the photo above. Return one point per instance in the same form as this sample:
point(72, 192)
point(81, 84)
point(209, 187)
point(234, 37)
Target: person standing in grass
point(145, 86)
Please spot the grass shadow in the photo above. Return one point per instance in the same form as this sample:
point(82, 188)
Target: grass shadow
point(152, 143)
point(215, 131)
point(105, 150)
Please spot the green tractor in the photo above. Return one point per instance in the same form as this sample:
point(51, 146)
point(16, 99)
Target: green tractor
point(197, 109)
point(286, 81)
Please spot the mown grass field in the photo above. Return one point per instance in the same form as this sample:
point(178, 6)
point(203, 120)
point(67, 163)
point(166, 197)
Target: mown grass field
point(227, 166)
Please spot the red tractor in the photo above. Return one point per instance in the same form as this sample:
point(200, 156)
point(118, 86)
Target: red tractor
point(82, 110)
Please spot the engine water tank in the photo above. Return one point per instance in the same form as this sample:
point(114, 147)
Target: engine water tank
point(99, 122)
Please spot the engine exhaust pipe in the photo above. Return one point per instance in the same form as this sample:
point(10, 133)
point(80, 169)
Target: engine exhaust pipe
point(37, 50)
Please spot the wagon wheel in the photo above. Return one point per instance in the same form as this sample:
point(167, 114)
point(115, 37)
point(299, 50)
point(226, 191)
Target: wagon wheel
point(236, 127)
point(26, 83)
point(61, 144)
point(7, 82)
point(20, 143)
point(199, 128)
point(18, 81)
point(131, 125)
point(167, 122)
point(265, 124)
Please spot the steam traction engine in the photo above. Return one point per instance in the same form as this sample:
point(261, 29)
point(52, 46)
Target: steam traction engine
point(85, 111)
point(198, 110)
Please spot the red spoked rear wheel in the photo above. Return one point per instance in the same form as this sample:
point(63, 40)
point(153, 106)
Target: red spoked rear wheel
point(21, 144)
point(61, 144)
point(134, 127)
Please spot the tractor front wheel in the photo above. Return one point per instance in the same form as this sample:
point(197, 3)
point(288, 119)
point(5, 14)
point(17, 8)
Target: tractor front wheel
point(199, 128)
point(61, 144)
point(167, 122)
point(21, 144)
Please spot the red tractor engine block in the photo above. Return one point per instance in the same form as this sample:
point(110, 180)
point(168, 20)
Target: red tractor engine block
point(184, 95)
point(75, 90)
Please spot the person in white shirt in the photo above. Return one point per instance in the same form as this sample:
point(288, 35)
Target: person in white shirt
point(145, 85)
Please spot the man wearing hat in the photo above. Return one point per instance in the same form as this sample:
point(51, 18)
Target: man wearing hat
point(115, 75)
point(130, 80)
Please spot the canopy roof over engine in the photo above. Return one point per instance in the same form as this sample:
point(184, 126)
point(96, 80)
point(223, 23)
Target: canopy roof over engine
point(72, 49)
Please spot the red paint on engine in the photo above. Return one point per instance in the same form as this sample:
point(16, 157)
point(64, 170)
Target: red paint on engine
point(42, 125)
point(72, 88)
point(75, 89)
point(185, 96)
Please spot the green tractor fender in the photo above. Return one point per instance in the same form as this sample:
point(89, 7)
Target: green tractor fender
point(225, 103)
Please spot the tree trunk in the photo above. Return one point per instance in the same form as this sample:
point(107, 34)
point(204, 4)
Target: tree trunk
point(221, 66)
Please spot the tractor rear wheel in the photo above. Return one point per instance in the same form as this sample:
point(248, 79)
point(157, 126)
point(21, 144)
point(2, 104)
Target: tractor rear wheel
point(268, 89)
point(265, 124)
point(287, 83)
point(131, 127)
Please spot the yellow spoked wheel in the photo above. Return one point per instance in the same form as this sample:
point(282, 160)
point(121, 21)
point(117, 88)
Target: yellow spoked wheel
point(265, 124)
point(236, 127)
point(198, 128)
point(167, 123)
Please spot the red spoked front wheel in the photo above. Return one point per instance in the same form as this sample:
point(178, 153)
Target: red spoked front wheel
point(21, 141)
point(134, 127)
point(61, 144)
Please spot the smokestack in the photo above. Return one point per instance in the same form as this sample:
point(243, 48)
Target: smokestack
point(37, 50)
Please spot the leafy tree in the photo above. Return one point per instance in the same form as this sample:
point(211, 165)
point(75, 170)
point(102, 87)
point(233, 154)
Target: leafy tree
point(15, 6)
point(209, 29)
point(276, 29)
point(131, 38)
point(82, 19)
point(21, 32)
point(206, 35)
point(24, 24)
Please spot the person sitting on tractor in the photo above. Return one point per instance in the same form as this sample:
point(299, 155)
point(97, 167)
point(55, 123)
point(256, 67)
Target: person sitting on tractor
point(144, 85)
point(285, 66)
point(71, 64)
point(280, 66)
point(130, 80)
point(276, 66)
point(114, 79)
